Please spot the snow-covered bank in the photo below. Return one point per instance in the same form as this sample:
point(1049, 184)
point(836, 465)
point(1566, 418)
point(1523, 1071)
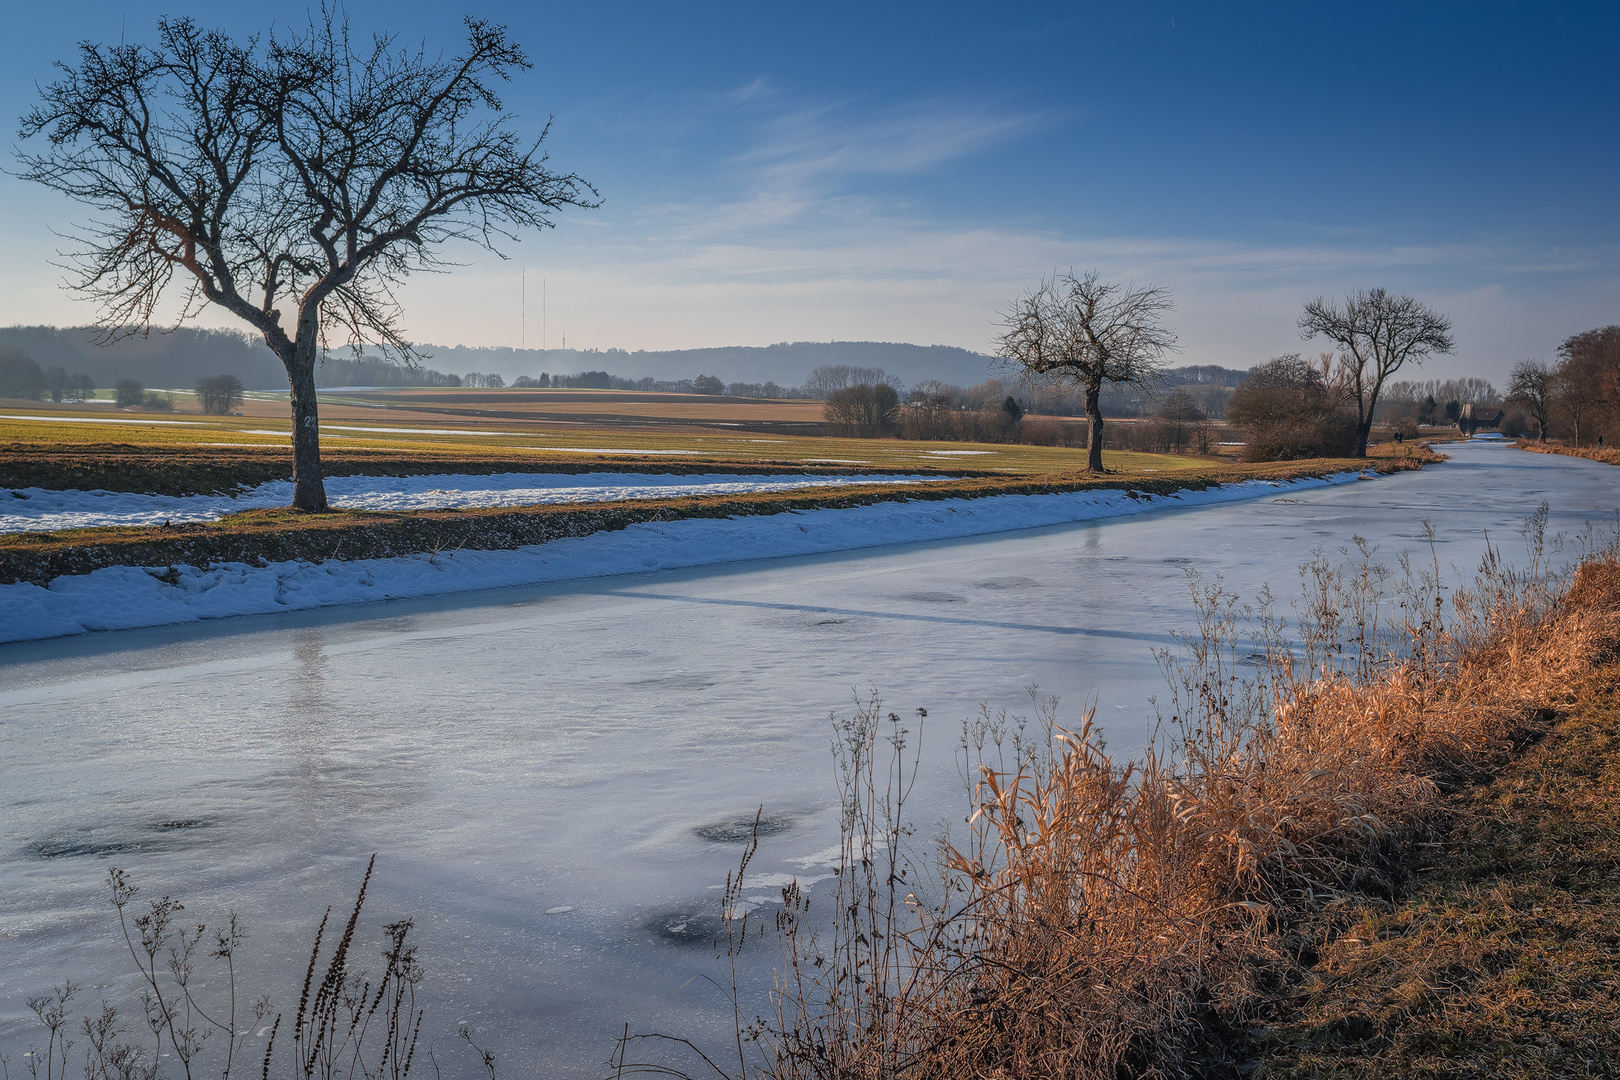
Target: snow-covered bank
point(45, 510)
point(125, 597)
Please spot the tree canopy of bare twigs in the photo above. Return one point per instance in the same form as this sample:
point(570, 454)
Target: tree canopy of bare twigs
point(1588, 386)
point(1088, 332)
point(1377, 334)
point(1533, 385)
point(294, 181)
point(219, 394)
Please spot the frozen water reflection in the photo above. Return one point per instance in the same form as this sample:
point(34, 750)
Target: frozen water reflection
point(553, 776)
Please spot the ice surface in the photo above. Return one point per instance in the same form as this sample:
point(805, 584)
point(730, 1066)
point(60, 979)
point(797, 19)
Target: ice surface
point(524, 750)
point(45, 510)
point(122, 597)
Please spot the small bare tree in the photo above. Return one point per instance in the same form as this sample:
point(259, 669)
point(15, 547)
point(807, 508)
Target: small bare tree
point(1534, 385)
point(294, 182)
point(1088, 332)
point(1376, 334)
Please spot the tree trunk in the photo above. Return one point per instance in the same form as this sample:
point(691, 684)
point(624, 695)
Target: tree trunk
point(1094, 426)
point(1363, 433)
point(309, 490)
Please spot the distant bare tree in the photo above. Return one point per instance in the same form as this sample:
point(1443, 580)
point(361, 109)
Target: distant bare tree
point(57, 383)
point(867, 411)
point(128, 393)
point(20, 375)
point(219, 394)
point(1088, 332)
point(830, 377)
point(1533, 385)
point(1376, 333)
point(293, 181)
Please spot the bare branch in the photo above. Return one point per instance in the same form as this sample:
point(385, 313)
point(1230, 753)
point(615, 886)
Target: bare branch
point(299, 174)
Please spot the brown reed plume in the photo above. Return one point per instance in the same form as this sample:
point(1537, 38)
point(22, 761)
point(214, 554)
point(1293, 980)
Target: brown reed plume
point(1093, 916)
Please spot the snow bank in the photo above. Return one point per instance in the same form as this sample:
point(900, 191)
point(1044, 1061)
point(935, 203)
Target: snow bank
point(46, 510)
point(124, 597)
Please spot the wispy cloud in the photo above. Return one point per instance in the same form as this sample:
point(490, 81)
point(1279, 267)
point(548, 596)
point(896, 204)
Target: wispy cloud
point(837, 140)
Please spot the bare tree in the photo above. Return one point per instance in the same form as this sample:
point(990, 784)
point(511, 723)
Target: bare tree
point(830, 377)
point(219, 394)
point(1589, 381)
point(866, 411)
point(1376, 333)
point(1534, 385)
point(294, 182)
point(1088, 332)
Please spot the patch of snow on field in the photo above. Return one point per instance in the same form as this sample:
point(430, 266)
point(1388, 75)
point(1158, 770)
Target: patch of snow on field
point(45, 510)
point(124, 597)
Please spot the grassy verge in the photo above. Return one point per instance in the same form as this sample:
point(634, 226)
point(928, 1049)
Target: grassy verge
point(1591, 453)
point(277, 535)
point(1502, 958)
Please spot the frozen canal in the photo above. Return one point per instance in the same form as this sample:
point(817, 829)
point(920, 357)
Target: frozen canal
point(536, 766)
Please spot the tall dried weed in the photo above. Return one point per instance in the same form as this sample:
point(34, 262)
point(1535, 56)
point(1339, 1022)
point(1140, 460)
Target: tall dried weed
point(1092, 916)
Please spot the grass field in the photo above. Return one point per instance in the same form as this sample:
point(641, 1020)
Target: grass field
point(428, 432)
point(534, 429)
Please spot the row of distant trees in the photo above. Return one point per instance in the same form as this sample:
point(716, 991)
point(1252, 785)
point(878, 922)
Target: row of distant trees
point(1577, 398)
point(22, 377)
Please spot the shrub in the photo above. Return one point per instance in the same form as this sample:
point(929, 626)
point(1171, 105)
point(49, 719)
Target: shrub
point(1291, 412)
point(128, 393)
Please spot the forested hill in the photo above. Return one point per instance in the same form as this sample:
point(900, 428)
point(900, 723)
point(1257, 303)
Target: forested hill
point(179, 359)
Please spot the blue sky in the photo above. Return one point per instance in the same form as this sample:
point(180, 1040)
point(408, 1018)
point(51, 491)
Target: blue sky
point(899, 172)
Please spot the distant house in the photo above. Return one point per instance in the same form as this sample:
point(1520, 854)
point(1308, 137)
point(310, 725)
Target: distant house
point(1471, 421)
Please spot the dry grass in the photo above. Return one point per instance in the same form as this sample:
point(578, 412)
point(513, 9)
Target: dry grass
point(1591, 453)
point(1103, 920)
point(1502, 958)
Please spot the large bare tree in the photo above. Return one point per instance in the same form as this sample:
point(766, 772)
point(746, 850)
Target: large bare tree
point(1088, 332)
point(293, 181)
point(1534, 385)
point(1377, 334)
point(1589, 382)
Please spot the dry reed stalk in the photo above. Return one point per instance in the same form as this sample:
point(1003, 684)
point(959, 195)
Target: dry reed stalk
point(1094, 914)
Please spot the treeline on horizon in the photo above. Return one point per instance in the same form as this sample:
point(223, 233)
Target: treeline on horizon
point(181, 358)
